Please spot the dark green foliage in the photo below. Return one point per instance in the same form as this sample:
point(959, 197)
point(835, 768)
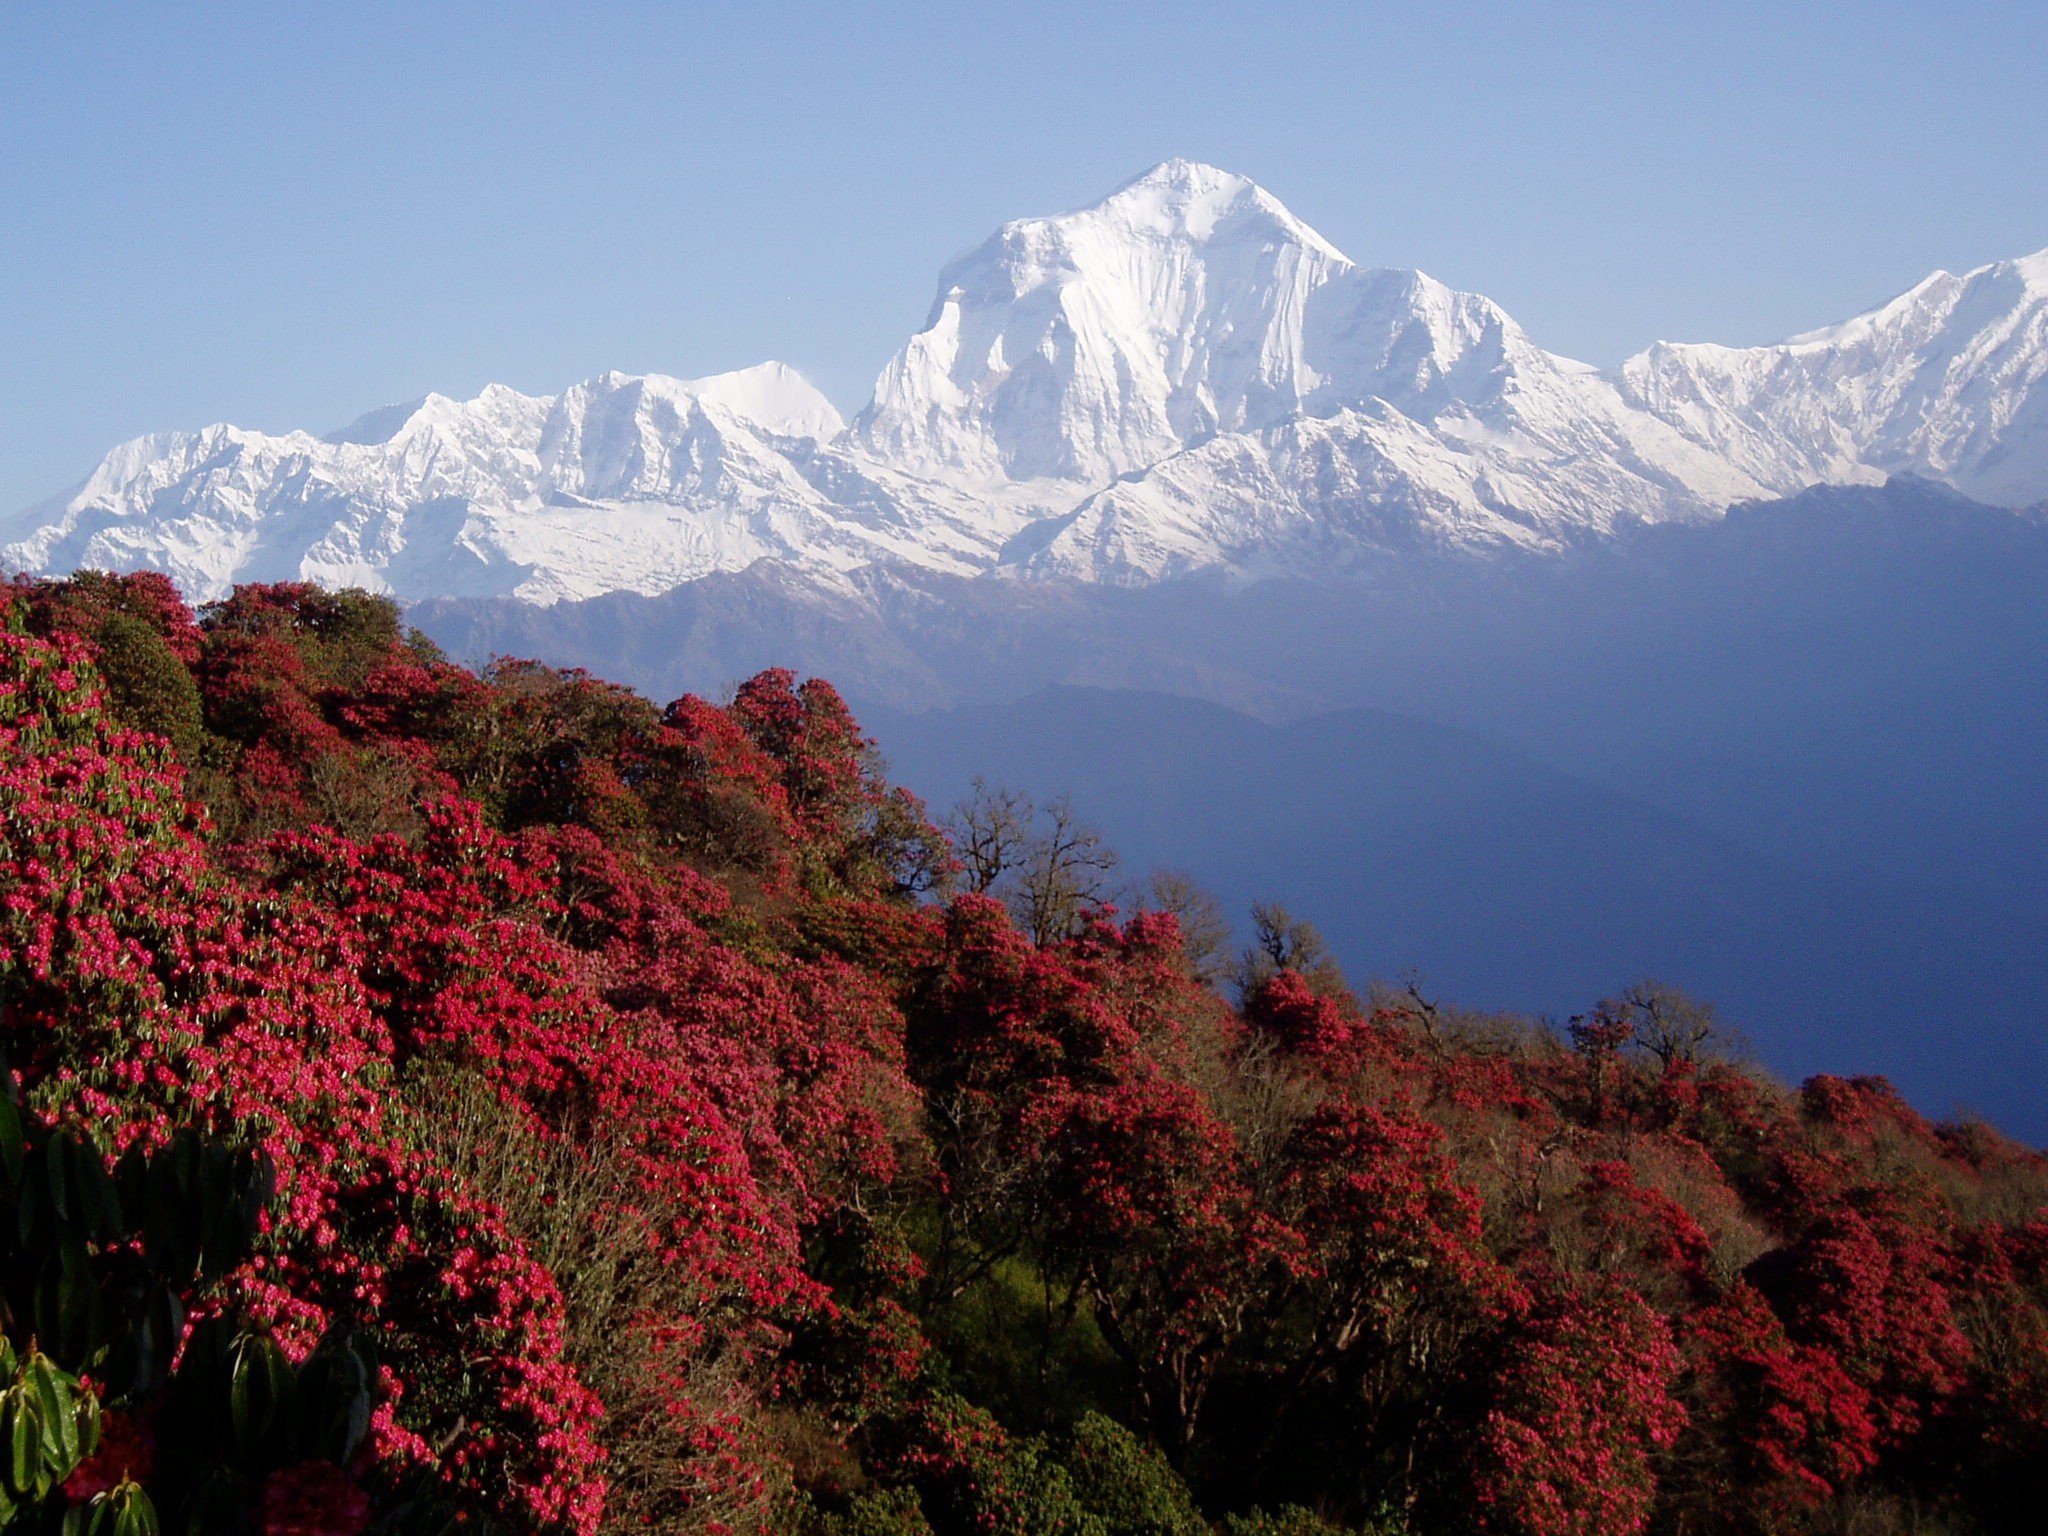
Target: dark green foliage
point(95, 1265)
point(972, 1476)
point(136, 625)
point(1289, 1520)
point(1025, 1350)
point(340, 636)
point(124, 1510)
point(148, 687)
point(890, 1512)
point(542, 745)
point(237, 1410)
point(1127, 1485)
point(49, 1423)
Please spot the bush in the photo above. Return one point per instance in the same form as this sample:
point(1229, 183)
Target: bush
point(972, 1476)
point(891, 1512)
point(100, 1270)
point(1127, 1485)
point(1289, 1520)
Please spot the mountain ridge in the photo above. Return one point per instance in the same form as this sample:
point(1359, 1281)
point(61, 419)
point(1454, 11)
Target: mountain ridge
point(1181, 377)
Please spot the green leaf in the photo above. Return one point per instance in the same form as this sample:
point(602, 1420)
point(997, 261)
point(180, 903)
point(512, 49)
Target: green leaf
point(68, 1310)
point(213, 1506)
point(171, 1232)
point(131, 1179)
point(58, 1403)
point(88, 1416)
point(58, 1155)
point(335, 1389)
point(260, 1391)
point(34, 1220)
point(13, 1144)
point(24, 1442)
point(153, 1340)
point(136, 1514)
point(245, 1403)
point(216, 1206)
point(99, 1200)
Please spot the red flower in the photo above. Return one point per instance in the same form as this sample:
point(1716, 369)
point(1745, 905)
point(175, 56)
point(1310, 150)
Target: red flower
point(125, 1451)
point(314, 1498)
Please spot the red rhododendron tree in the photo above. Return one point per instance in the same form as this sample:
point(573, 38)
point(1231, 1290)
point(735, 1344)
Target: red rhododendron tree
point(691, 1160)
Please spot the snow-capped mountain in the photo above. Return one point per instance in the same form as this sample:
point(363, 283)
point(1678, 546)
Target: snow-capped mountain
point(618, 484)
point(1181, 377)
point(1186, 375)
point(1085, 346)
point(1949, 380)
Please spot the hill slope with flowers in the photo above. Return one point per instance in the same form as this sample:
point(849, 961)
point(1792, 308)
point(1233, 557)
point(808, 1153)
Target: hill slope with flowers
point(692, 1148)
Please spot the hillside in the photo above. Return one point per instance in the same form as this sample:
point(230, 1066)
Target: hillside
point(668, 1134)
point(1497, 879)
point(1834, 702)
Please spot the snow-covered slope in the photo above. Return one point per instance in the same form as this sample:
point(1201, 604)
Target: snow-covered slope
point(1083, 346)
point(1189, 330)
point(1184, 376)
point(618, 484)
point(1949, 380)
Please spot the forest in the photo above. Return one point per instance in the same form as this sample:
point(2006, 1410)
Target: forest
point(440, 1100)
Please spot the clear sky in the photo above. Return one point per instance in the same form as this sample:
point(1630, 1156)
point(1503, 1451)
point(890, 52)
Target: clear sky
point(284, 216)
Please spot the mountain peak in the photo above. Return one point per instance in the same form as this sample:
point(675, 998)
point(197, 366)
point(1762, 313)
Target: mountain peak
point(1179, 171)
point(775, 396)
point(1081, 346)
point(1948, 379)
point(495, 407)
point(2033, 270)
point(380, 425)
point(1194, 200)
point(1186, 179)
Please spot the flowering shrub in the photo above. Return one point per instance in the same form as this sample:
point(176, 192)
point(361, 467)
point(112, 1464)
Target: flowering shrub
point(1581, 1407)
point(661, 1144)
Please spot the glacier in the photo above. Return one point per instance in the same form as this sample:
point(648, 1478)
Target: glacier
point(1183, 377)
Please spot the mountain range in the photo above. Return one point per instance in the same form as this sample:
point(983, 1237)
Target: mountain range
point(1182, 378)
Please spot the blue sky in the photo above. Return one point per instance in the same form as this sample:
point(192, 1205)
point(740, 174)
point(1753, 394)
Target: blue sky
point(284, 216)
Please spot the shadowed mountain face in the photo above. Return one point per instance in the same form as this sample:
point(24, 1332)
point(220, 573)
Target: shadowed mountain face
point(1792, 760)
